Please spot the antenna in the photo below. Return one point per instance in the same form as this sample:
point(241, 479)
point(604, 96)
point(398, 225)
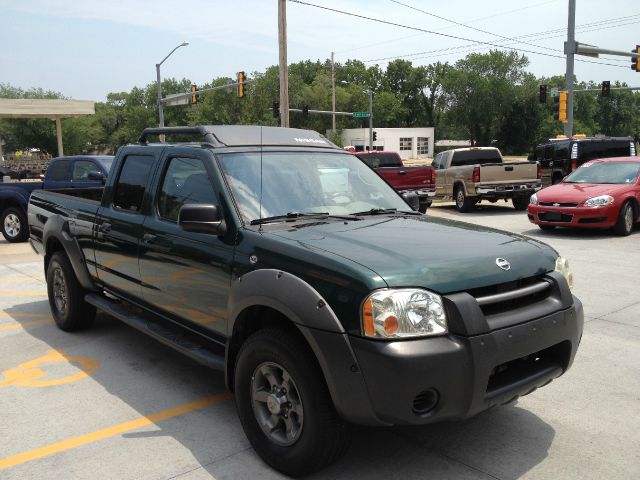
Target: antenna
point(260, 210)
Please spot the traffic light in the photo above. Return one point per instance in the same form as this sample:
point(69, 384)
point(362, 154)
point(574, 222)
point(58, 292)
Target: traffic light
point(562, 110)
point(305, 110)
point(635, 62)
point(606, 88)
point(194, 96)
point(276, 109)
point(543, 94)
point(560, 107)
point(241, 84)
point(375, 136)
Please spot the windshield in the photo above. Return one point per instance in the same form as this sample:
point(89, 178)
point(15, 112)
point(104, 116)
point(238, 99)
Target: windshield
point(336, 184)
point(605, 172)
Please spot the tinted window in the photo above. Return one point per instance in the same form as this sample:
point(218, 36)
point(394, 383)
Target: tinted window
point(376, 160)
point(592, 150)
point(185, 181)
point(81, 169)
point(475, 157)
point(58, 171)
point(132, 182)
point(561, 151)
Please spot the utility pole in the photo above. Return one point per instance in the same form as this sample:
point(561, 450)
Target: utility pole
point(284, 69)
point(569, 50)
point(370, 119)
point(333, 94)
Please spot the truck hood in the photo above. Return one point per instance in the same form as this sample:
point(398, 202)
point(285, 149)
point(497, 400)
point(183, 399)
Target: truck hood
point(418, 251)
point(578, 192)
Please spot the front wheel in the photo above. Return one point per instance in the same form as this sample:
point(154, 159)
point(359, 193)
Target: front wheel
point(284, 404)
point(626, 218)
point(66, 296)
point(14, 225)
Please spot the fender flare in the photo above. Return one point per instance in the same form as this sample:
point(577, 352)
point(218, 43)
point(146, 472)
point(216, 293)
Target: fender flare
point(315, 320)
point(58, 227)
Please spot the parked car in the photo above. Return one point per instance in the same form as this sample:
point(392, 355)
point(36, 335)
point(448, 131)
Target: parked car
point(470, 175)
point(291, 266)
point(600, 193)
point(561, 156)
point(419, 179)
point(84, 173)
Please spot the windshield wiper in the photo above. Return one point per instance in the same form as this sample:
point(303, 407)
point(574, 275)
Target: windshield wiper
point(289, 216)
point(385, 211)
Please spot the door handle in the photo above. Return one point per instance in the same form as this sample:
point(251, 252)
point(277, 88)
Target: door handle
point(402, 172)
point(104, 227)
point(148, 238)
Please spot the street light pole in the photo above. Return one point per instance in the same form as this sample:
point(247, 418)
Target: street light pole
point(159, 84)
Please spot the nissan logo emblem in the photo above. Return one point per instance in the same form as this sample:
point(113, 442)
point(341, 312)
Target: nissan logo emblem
point(503, 264)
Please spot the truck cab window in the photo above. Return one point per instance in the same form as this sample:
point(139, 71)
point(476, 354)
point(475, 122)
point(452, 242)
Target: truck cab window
point(132, 182)
point(58, 171)
point(185, 181)
point(81, 169)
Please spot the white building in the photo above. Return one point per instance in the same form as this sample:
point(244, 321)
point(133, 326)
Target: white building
point(408, 142)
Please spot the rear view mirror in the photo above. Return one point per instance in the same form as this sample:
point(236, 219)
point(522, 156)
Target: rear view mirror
point(97, 176)
point(201, 218)
point(412, 199)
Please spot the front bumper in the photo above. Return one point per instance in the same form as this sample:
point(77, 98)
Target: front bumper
point(589, 217)
point(457, 376)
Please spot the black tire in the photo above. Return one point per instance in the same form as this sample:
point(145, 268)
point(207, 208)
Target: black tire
point(463, 202)
point(547, 228)
point(316, 438)
point(66, 296)
point(520, 203)
point(14, 225)
point(423, 207)
point(626, 220)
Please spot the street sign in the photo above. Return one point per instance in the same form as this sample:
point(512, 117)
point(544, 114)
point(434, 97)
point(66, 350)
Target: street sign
point(360, 114)
point(176, 99)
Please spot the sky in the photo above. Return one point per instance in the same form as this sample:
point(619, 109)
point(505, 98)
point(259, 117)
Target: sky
point(86, 49)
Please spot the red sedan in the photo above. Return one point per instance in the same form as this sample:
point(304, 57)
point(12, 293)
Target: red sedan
point(601, 193)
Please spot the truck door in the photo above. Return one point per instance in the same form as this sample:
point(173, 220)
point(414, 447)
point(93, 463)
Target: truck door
point(119, 225)
point(186, 274)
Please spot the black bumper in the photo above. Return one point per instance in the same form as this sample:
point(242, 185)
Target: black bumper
point(455, 377)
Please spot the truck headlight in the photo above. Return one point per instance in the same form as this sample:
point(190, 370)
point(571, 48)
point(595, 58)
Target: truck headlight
point(562, 267)
point(601, 201)
point(403, 313)
point(534, 199)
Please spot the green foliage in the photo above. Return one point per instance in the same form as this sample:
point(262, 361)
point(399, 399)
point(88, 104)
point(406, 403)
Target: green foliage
point(485, 98)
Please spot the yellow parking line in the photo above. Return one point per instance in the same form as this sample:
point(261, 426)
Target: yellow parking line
point(75, 442)
point(14, 326)
point(21, 315)
point(24, 279)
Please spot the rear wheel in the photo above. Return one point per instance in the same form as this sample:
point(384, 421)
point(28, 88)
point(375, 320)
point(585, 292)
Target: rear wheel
point(626, 219)
point(463, 202)
point(284, 404)
point(66, 296)
point(14, 225)
point(520, 203)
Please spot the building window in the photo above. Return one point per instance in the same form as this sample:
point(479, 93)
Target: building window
point(423, 145)
point(406, 143)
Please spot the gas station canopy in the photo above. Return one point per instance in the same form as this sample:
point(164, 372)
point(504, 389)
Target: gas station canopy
point(53, 109)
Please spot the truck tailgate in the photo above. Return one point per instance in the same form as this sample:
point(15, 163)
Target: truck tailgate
point(407, 178)
point(507, 173)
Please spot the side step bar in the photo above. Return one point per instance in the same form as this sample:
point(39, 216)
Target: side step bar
point(172, 337)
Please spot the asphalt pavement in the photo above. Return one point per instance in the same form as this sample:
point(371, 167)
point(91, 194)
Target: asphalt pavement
point(110, 402)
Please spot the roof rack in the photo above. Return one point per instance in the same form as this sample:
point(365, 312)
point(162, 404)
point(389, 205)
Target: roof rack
point(198, 130)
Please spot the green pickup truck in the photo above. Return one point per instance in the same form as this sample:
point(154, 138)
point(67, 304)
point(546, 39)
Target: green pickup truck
point(291, 266)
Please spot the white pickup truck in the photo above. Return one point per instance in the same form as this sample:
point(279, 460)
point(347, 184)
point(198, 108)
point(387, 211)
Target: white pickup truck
point(469, 175)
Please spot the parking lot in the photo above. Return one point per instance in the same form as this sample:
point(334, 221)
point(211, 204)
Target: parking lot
point(112, 403)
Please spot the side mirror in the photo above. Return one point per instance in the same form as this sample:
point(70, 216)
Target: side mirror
point(97, 176)
point(201, 218)
point(412, 199)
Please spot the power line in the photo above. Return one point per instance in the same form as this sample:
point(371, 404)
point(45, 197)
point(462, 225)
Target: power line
point(408, 27)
